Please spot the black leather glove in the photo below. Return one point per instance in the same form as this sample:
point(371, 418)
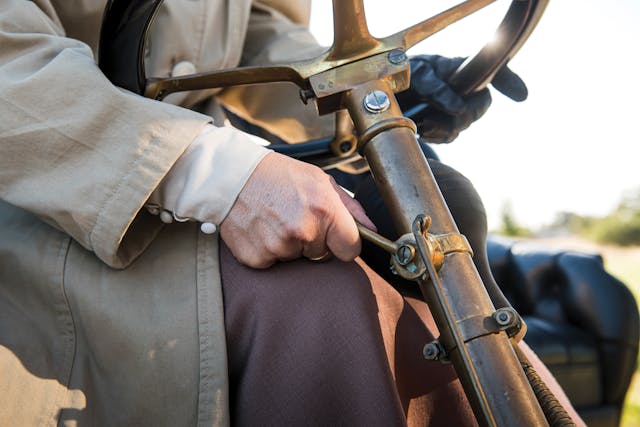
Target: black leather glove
point(450, 113)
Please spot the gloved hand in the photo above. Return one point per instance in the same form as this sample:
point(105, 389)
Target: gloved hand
point(450, 113)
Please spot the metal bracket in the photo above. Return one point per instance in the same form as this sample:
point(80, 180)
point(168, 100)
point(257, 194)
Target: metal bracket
point(404, 261)
point(328, 86)
point(510, 321)
point(503, 319)
point(438, 245)
point(478, 326)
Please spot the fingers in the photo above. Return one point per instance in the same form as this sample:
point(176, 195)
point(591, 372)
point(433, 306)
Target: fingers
point(437, 127)
point(353, 206)
point(429, 88)
point(510, 84)
point(288, 209)
point(316, 249)
point(429, 75)
point(477, 104)
point(342, 237)
point(440, 127)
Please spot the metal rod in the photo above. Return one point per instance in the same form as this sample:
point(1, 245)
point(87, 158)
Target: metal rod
point(489, 371)
point(350, 32)
point(377, 239)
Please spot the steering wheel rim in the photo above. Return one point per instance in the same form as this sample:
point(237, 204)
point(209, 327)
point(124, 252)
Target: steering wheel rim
point(123, 62)
point(119, 59)
point(478, 71)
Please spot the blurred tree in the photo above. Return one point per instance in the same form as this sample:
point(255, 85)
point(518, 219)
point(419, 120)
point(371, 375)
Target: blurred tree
point(622, 227)
point(510, 226)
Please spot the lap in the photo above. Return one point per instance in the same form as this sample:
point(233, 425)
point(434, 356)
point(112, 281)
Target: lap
point(300, 324)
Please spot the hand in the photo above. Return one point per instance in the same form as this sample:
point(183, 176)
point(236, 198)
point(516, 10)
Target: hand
point(451, 113)
point(289, 209)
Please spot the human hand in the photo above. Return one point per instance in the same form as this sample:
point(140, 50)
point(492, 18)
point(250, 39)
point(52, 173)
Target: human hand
point(452, 113)
point(288, 209)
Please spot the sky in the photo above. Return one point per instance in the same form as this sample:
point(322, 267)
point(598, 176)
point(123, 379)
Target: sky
point(574, 144)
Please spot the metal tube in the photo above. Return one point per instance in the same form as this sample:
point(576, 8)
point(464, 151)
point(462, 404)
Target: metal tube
point(487, 365)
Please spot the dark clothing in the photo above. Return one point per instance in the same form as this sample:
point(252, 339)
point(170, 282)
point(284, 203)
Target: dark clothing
point(306, 347)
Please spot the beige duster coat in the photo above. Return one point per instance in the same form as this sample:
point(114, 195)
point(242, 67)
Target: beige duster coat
point(106, 316)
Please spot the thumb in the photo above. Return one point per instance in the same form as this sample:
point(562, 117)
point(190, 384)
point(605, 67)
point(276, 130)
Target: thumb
point(510, 84)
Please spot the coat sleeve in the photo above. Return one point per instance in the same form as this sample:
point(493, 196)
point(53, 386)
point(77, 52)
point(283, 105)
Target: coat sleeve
point(74, 149)
point(278, 33)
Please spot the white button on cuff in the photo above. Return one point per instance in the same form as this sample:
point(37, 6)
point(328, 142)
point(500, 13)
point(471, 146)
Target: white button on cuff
point(208, 228)
point(183, 68)
point(153, 209)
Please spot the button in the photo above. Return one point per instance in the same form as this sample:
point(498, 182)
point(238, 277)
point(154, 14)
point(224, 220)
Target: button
point(208, 228)
point(183, 68)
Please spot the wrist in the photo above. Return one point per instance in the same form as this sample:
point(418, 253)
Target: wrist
point(205, 181)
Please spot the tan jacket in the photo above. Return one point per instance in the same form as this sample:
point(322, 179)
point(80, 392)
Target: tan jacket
point(106, 316)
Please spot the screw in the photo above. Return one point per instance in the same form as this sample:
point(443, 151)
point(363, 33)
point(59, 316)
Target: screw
point(405, 254)
point(397, 57)
point(431, 351)
point(376, 101)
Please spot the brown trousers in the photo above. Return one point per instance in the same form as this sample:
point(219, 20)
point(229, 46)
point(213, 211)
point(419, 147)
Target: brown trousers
point(331, 344)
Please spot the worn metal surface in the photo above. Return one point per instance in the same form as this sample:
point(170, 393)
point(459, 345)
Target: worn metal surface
point(353, 42)
point(488, 369)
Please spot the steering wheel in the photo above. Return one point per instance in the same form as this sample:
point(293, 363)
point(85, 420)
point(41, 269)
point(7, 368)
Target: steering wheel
point(126, 25)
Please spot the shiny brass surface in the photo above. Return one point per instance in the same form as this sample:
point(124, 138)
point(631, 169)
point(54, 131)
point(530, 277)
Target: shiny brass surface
point(441, 245)
point(346, 76)
point(344, 143)
point(329, 85)
point(351, 35)
point(352, 42)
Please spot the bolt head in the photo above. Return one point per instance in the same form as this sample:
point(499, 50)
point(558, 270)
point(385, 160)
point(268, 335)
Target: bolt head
point(503, 317)
point(376, 102)
point(397, 57)
point(431, 351)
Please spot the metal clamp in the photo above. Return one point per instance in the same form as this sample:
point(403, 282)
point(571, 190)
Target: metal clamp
point(404, 261)
point(508, 320)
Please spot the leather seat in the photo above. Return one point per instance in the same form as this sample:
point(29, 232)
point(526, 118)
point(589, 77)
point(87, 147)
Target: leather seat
point(582, 322)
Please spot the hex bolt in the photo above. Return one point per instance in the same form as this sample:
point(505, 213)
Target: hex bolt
point(376, 101)
point(397, 57)
point(503, 317)
point(431, 351)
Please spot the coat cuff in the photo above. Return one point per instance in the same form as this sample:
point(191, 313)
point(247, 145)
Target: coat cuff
point(206, 180)
point(123, 230)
